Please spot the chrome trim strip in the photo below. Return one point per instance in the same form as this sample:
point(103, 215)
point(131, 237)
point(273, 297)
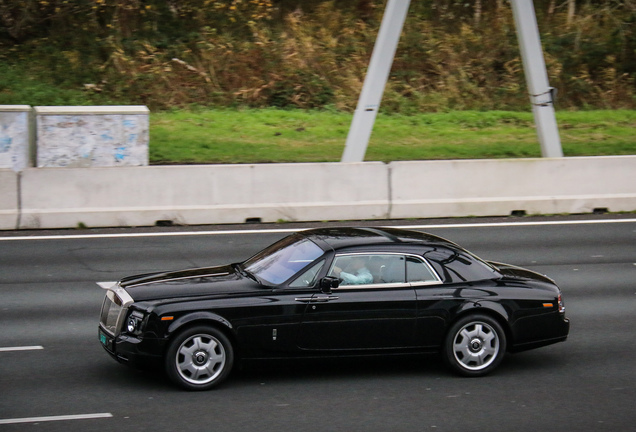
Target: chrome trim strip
point(425, 283)
point(389, 285)
point(373, 286)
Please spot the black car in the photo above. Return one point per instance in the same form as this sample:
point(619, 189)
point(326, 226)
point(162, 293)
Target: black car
point(332, 292)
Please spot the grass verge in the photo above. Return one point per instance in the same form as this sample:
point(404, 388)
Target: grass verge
point(271, 135)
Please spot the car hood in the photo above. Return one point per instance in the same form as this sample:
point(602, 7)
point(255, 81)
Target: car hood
point(511, 271)
point(222, 280)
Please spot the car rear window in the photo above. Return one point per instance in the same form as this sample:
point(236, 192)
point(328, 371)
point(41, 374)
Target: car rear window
point(459, 266)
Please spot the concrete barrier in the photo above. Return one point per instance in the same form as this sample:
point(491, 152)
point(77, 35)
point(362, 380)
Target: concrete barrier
point(138, 196)
point(9, 212)
point(499, 187)
point(141, 196)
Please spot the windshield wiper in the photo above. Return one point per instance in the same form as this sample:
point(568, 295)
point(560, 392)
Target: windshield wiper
point(245, 273)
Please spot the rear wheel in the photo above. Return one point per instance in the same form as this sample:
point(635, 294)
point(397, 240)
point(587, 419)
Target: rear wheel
point(199, 358)
point(475, 345)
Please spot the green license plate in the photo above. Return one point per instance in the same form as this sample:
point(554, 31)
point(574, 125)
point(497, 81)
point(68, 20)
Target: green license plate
point(104, 339)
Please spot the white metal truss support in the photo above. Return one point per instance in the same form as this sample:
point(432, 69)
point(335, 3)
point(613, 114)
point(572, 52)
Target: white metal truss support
point(375, 80)
point(541, 94)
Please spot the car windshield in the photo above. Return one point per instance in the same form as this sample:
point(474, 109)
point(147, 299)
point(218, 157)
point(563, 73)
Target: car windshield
point(283, 259)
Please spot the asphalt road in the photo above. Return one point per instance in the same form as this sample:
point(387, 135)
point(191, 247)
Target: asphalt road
point(49, 304)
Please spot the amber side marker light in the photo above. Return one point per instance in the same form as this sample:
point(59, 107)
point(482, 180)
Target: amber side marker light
point(547, 305)
point(167, 318)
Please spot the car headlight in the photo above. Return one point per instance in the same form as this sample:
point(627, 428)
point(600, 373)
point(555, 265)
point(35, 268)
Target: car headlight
point(133, 323)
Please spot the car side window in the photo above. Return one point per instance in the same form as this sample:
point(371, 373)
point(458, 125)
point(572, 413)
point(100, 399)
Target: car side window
point(365, 269)
point(308, 277)
point(418, 271)
point(391, 269)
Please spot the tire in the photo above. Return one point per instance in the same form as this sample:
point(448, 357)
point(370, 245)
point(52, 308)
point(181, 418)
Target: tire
point(475, 345)
point(199, 358)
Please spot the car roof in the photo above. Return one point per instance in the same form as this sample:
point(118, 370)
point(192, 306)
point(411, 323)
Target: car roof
point(341, 238)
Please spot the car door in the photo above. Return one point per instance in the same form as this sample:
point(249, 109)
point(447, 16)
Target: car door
point(379, 314)
point(268, 325)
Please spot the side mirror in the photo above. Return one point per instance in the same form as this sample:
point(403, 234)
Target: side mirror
point(328, 283)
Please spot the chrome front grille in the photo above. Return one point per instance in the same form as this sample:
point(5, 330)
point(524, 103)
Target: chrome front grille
point(114, 309)
point(110, 314)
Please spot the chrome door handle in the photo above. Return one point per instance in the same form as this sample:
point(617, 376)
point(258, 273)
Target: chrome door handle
point(303, 299)
point(325, 298)
point(321, 299)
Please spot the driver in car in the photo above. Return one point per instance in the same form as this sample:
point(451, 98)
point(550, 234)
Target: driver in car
point(359, 274)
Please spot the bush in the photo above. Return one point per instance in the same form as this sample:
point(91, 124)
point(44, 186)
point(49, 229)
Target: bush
point(452, 55)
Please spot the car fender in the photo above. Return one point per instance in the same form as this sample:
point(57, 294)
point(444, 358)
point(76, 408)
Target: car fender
point(201, 316)
point(480, 306)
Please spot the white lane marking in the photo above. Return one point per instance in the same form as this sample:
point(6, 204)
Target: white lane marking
point(55, 418)
point(292, 230)
point(149, 234)
point(21, 348)
point(513, 224)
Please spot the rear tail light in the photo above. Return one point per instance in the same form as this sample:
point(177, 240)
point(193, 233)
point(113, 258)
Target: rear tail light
point(561, 305)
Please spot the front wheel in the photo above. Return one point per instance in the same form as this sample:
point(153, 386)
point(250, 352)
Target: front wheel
point(475, 345)
point(199, 358)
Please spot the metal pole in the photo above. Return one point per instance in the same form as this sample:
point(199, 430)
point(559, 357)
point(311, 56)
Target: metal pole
point(375, 80)
point(541, 94)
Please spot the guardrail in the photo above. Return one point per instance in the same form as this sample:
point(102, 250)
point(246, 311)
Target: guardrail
point(211, 194)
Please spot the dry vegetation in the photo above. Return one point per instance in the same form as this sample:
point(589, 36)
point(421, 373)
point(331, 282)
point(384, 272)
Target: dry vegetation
point(453, 55)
